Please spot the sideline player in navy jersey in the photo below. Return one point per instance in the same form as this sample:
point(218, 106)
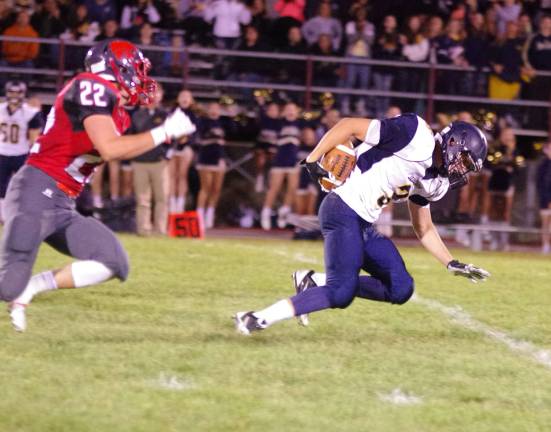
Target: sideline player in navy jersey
point(84, 128)
point(398, 158)
point(20, 125)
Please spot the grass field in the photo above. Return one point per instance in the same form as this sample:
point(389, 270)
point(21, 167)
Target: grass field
point(160, 353)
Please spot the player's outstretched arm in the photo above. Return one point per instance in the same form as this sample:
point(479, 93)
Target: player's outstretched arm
point(112, 146)
point(427, 233)
point(339, 134)
point(428, 236)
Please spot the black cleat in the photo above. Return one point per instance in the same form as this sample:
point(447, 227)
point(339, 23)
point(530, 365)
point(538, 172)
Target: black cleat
point(302, 280)
point(246, 323)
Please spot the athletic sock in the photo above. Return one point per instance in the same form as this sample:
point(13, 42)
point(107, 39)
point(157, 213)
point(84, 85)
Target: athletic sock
point(172, 204)
point(97, 202)
point(180, 204)
point(40, 282)
point(89, 272)
point(209, 217)
point(319, 278)
point(279, 311)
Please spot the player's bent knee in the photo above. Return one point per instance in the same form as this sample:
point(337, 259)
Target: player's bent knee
point(341, 297)
point(403, 291)
point(117, 261)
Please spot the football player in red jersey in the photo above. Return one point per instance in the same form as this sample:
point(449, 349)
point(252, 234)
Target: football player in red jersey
point(84, 129)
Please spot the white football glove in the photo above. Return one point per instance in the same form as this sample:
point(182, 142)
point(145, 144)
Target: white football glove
point(474, 274)
point(175, 125)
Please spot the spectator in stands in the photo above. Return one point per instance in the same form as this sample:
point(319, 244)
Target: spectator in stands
point(260, 20)
point(307, 191)
point(504, 165)
point(101, 10)
point(293, 9)
point(543, 182)
point(227, 16)
point(250, 69)
point(47, 20)
point(387, 47)
point(507, 69)
point(356, 6)
point(210, 163)
point(6, 15)
point(435, 28)
point(20, 54)
point(284, 168)
point(490, 18)
point(294, 70)
point(324, 24)
point(269, 125)
point(450, 50)
point(525, 29)
point(135, 14)
point(160, 62)
point(48, 23)
point(477, 47)
point(81, 28)
point(192, 13)
point(325, 72)
point(290, 14)
point(415, 48)
point(176, 59)
point(360, 35)
point(538, 57)
point(109, 30)
point(151, 174)
point(509, 11)
point(182, 157)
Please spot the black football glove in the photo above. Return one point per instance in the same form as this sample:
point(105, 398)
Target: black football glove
point(315, 170)
point(474, 274)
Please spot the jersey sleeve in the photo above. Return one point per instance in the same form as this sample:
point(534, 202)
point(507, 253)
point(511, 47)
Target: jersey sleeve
point(87, 97)
point(426, 191)
point(392, 134)
point(36, 121)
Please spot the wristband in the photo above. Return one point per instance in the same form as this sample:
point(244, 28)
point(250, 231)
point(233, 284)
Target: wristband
point(159, 135)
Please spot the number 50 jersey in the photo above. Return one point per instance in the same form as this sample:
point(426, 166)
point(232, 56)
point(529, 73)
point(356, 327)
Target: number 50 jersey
point(394, 162)
point(64, 151)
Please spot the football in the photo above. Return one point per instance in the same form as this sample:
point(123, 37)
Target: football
point(339, 162)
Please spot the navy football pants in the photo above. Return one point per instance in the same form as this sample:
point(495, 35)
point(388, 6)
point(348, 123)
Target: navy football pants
point(37, 211)
point(352, 244)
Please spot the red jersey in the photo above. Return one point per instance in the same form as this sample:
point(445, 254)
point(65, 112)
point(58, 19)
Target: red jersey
point(63, 150)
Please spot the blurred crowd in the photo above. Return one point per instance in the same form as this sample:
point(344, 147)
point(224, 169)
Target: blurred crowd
point(510, 37)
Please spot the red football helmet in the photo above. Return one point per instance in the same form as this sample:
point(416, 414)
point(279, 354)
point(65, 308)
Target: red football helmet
point(121, 61)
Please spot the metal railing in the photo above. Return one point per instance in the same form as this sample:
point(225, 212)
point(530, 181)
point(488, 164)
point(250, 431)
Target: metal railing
point(187, 79)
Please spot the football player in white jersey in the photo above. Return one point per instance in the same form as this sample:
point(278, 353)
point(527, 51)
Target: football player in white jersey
point(398, 159)
point(20, 125)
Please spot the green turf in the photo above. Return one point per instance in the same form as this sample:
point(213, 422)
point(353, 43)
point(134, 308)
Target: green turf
point(96, 359)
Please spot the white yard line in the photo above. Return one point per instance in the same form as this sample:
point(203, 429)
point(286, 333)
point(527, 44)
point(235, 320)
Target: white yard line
point(460, 317)
point(399, 397)
point(456, 314)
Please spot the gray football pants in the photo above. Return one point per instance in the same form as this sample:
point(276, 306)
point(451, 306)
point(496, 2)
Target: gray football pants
point(37, 211)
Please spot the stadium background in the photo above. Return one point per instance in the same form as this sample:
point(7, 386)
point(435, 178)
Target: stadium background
point(161, 352)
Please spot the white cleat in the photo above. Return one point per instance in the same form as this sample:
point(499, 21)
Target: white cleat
point(302, 279)
point(18, 316)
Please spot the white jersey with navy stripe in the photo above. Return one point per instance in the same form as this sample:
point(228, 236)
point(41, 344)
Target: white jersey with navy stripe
point(14, 128)
point(394, 162)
